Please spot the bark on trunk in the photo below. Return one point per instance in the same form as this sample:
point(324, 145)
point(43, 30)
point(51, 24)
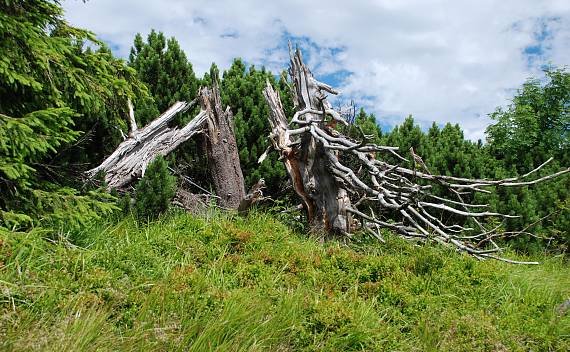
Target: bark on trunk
point(223, 156)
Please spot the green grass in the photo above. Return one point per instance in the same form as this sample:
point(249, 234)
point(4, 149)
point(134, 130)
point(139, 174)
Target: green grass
point(232, 284)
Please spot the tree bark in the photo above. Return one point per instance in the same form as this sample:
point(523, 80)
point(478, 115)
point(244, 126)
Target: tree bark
point(221, 146)
point(324, 198)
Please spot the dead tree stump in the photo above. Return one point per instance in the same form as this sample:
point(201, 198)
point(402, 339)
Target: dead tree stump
point(338, 200)
point(129, 161)
point(223, 156)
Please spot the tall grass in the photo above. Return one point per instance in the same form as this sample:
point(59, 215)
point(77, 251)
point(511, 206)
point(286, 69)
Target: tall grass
point(231, 284)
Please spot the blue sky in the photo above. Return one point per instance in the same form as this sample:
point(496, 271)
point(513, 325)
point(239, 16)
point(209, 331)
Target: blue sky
point(439, 60)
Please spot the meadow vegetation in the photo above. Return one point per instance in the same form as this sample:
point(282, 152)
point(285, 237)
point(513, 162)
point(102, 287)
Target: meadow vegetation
point(233, 284)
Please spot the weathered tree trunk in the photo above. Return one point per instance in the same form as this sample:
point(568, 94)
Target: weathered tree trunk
point(223, 156)
point(307, 162)
point(313, 152)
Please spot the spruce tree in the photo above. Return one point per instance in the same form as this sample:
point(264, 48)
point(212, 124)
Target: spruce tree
point(533, 128)
point(536, 125)
point(165, 69)
point(155, 189)
point(242, 90)
point(54, 92)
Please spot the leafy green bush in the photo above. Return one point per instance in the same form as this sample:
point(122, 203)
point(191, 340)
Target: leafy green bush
point(427, 261)
point(155, 190)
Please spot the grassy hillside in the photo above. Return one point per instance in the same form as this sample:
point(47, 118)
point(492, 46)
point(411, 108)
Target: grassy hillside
point(233, 284)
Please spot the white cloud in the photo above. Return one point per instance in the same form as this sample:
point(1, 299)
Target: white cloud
point(438, 60)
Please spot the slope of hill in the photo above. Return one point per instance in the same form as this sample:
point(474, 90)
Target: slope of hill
point(231, 284)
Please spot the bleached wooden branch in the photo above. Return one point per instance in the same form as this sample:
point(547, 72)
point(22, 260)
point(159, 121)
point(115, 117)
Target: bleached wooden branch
point(132, 122)
point(129, 161)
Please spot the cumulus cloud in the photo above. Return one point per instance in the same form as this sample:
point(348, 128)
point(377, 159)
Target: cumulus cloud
point(439, 60)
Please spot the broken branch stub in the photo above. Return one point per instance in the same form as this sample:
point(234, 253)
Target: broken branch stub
point(333, 194)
